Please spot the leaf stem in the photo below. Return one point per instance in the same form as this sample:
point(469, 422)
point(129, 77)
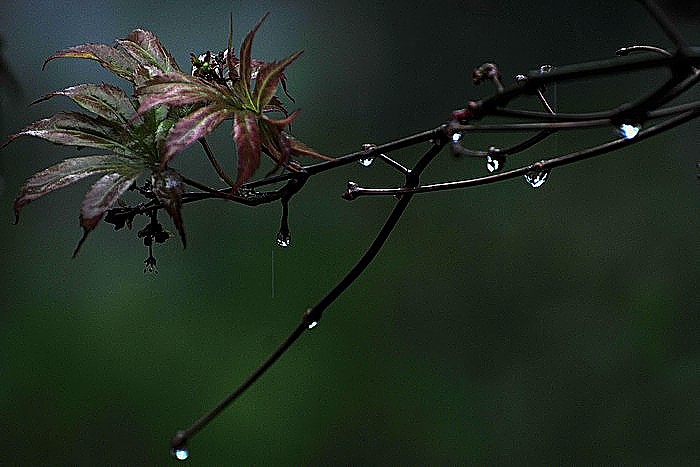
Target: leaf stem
point(215, 163)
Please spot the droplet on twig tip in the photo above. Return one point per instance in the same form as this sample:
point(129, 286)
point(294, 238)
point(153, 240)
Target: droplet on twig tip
point(180, 453)
point(179, 449)
point(284, 239)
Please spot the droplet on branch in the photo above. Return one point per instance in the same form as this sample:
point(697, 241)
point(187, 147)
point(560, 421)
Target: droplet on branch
point(495, 160)
point(536, 178)
point(629, 130)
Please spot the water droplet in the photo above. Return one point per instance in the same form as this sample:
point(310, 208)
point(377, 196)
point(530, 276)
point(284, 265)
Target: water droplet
point(546, 68)
point(313, 324)
point(180, 453)
point(284, 239)
point(494, 160)
point(536, 178)
point(456, 137)
point(366, 161)
point(629, 130)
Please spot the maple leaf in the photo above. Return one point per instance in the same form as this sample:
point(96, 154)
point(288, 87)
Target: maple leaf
point(221, 88)
point(170, 111)
point(132, 140)
point(140, 56)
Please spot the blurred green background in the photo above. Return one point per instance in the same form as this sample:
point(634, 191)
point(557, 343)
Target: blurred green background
point(500, 324)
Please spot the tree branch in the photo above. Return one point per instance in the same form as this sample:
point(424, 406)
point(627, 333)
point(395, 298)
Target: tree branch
point(684, 75)
point(313, 315)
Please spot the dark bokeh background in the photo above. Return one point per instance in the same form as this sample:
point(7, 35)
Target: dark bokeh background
point(499, 324)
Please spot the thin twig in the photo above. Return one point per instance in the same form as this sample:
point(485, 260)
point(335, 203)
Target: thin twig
point(682, 77)
point(356, 191)
point(313, 315)
point(662, 19)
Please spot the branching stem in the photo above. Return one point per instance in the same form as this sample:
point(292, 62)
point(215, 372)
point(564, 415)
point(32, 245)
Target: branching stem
point(313, 315)
point(683, 75)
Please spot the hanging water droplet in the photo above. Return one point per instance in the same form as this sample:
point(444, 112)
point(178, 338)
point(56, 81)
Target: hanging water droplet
point(284, 239)
point(494, 163)
point(495, 160)
point(311, 318)
point(366, 161)
point(629, 130)
point(456, 137)
point(180, 453)
point(536, 178)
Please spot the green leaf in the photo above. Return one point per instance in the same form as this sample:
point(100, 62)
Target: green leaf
point(268, 80)
point(168, 188)
point(113, 59)
point(246, 133)
point(104, 100)
point(76, 129)
point(194, 126)
point(146, 48)
point(66, 173)
point(102, 196)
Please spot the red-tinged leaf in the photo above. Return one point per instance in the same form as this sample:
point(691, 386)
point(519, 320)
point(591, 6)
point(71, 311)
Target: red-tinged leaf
point(274, 143)
point(102, 196)
point(76, 129)
point(231, 60)
point(66, 173)
point(301, 149)
point(168, 188)
point(194, 126)
point(113, 59)
point(282, 122)
point(246, 66)
point(176, 89)
point(275, 105)
point(246, 133)
point(283, 81)
point(147, 49)
point(104, 100)
point(268, 80)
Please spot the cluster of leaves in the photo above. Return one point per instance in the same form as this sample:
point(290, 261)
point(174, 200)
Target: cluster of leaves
point(169, 110)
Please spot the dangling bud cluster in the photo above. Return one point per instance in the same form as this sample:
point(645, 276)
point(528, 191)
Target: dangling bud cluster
point(153, 232)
